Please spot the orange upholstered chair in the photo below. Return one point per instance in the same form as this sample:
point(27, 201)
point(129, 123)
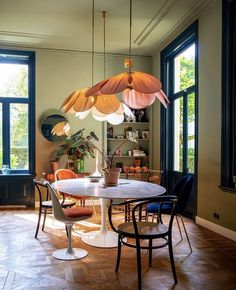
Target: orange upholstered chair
point(68, 174)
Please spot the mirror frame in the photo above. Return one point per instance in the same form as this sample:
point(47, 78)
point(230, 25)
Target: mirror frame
point(46, 127)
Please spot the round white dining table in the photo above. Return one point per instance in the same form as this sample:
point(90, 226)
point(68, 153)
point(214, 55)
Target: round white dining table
point(126, 189)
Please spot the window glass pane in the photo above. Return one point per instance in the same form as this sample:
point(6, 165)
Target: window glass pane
point(191, 132)
point(178, 134)
point(0, 135)
point(184, 74)
point(13, 80)
point(19, 158)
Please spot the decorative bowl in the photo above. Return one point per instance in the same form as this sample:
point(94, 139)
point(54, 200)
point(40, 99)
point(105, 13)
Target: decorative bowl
point(94, 178)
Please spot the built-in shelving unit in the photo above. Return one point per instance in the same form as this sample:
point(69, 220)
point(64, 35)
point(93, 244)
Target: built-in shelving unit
point(116, 135)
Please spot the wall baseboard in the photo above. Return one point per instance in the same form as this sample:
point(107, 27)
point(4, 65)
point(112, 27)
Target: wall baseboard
point(216, 228)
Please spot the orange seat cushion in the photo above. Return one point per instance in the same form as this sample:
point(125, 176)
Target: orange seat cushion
point(79, 211)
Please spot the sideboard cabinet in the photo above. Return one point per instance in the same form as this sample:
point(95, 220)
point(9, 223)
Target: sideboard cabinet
point(17, 190)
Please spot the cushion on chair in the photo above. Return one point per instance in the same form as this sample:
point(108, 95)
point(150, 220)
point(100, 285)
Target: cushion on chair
point(79, 211)
point(154, 207)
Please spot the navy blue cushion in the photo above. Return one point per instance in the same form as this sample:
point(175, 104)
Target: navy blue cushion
point(155, 206)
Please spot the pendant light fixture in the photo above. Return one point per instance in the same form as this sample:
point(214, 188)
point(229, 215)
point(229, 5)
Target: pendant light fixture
point(140, 89)
point(102, 107)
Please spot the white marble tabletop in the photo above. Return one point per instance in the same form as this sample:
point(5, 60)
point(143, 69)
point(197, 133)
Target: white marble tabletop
point(125, 189)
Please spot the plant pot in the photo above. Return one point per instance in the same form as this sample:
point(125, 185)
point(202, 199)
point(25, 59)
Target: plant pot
point(111, 176)
point(54, 166)
point(79, 165)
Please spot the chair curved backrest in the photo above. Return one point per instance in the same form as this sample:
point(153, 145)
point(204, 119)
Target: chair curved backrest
point(182, 190)
point(155, 176)
point(65, 174)
point(56, 206)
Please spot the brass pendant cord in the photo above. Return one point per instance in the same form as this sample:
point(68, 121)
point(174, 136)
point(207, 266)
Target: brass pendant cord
point(92, 42)
point(130, 31)
point(104, 42)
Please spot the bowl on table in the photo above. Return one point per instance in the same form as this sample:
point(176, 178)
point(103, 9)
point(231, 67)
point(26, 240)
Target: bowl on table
point(92, 178)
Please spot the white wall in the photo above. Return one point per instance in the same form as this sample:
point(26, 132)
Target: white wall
point(209, 197)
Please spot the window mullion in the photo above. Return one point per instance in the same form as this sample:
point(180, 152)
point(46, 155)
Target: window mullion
point(171, 118)
point(185, 132)
point(6, 132)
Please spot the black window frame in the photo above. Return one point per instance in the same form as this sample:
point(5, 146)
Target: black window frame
point(183, 41)
point(23, 57)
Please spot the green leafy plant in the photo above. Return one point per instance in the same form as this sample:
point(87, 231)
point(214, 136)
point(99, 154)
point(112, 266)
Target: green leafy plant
point(76, 147)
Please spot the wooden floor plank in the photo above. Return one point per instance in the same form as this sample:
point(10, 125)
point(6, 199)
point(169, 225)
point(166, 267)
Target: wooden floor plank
point(26, 262)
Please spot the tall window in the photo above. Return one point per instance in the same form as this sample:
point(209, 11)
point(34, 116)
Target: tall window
point(228, 127)
point(179, 122)
point(17, 110)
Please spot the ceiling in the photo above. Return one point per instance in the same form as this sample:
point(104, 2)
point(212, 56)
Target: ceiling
point(67, 24)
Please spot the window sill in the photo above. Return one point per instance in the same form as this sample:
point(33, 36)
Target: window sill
point(17, 175)
point(227, 189)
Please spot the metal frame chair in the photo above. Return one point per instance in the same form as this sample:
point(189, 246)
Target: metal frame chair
point(182, 190)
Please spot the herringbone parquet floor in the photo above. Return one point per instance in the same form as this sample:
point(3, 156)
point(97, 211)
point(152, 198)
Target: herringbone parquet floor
point(26, 262)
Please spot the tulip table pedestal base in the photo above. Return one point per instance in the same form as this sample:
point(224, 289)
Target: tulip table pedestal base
point(102, 238)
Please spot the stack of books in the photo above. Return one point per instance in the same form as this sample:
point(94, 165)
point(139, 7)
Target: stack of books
point(138, 153)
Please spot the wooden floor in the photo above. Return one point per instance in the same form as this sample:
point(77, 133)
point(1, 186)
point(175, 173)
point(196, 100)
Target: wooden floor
point(26, 262)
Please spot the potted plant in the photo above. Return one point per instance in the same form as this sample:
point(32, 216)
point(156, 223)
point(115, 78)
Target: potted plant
point(76, 147)
point(111, 174)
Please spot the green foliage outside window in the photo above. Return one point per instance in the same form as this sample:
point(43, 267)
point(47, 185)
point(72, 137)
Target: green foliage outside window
point(17, 86)
point(187, 79)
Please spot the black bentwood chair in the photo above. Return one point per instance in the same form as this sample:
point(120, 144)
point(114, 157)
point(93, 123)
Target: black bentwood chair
point(144, 230)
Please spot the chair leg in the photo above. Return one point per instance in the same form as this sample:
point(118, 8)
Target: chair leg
point(191, 250)
point(138, 251)
point(172, 258)
point(44, 219)
point(37, 228)
point(118, 254)
point(150, 253)
point(180, 232)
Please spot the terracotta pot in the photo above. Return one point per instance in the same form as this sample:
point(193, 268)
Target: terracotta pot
point(111, 176)
point(54, 166)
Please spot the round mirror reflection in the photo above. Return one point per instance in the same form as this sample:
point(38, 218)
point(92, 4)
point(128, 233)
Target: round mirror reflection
point(54, 127)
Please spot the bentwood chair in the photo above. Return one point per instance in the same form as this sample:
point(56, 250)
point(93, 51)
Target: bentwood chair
point(69, 174)
point(128, 207)
point(182, 190)
point(155, 176)
point(133, 233)
point(69, 216)
point(45, 203)
point(150, 175)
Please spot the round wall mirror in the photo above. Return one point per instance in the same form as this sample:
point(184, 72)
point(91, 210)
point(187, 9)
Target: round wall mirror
point(54, 127)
